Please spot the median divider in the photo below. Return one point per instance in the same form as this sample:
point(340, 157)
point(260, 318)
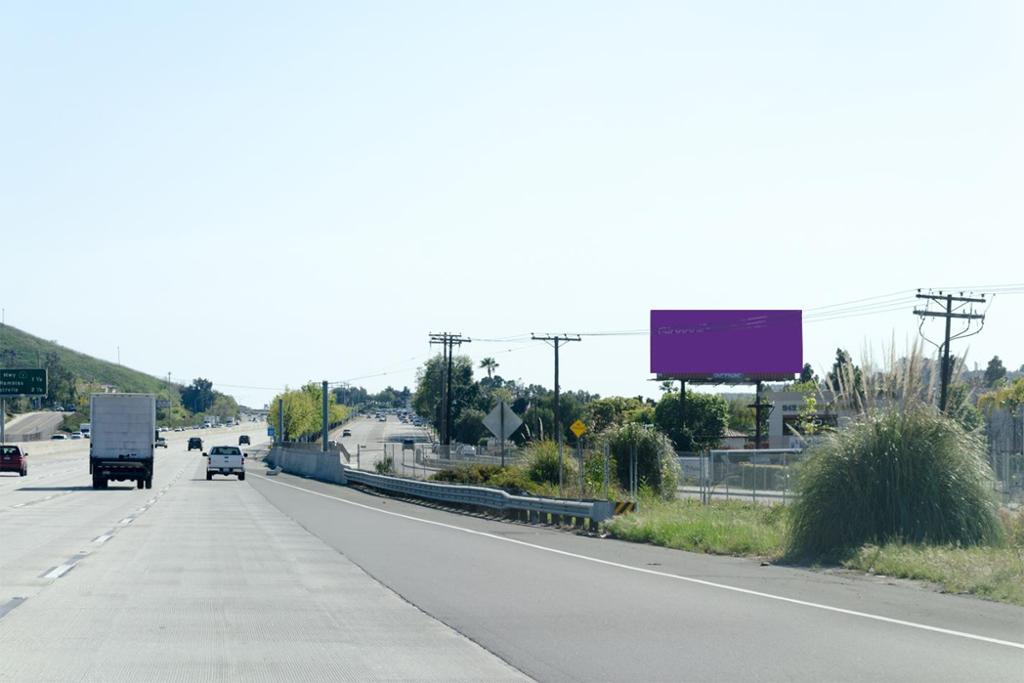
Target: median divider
point(534, 510)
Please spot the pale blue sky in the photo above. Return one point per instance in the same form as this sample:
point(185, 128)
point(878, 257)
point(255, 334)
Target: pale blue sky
point(266, 193)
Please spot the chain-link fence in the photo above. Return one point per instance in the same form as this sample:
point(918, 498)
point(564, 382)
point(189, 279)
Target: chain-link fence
point(758, 475)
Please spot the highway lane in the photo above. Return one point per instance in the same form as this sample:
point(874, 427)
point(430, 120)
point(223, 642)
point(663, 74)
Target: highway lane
point(30, 423)
point(565, 607)
point(370, 436)
point(53, 514)
point(209, 581)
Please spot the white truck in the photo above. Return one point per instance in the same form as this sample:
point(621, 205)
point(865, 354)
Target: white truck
point(122, 439)
point(225, 460)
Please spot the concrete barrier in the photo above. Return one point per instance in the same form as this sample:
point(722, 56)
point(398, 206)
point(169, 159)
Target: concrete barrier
point(308, 463)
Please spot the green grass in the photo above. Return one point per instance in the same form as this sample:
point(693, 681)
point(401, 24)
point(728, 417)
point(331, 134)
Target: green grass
point(995, 572)
point(724, 528)
point(28, 348)
point(989, 572)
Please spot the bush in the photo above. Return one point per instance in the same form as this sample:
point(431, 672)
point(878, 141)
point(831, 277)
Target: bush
point(511, 479)
point(910, 476)
point(657, 467)
point(473, 475)
point(385, 465)
point(542, 463)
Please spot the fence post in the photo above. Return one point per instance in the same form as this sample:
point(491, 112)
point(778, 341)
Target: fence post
point(753, 461)
point(607, 447)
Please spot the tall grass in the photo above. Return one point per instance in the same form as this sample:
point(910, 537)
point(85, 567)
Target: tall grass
point(905, 474)
point(724, 528)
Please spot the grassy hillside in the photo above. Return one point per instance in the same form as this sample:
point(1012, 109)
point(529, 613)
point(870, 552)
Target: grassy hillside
point(29, 348)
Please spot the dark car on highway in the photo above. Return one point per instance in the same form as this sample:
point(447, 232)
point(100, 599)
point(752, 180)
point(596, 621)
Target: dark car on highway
point(12, 459)
point(195, 442)
point(243, 440)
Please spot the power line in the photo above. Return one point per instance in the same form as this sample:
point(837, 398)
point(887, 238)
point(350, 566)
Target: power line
point(555, 341)
point(949, 313)
point(448, 342)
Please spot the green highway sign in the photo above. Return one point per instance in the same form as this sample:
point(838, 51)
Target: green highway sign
point(22, 382)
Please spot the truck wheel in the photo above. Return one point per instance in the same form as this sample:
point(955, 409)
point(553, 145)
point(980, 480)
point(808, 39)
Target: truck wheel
point(241, 476)
point(149, 482)
point(140, 483)
point(23, 473)
point(97, 481)
point(209, 476)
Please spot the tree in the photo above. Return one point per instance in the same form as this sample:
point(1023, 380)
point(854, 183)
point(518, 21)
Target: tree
point(430, 379)
point(807, 374)
point(198, 396)
point(601, 414)
point(62, 389)
point(469, 427)
point(706, 417)
point(994, 372)
point(845, 378)
point(489, 365)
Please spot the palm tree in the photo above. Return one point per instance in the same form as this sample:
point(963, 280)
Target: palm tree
point(490, 365)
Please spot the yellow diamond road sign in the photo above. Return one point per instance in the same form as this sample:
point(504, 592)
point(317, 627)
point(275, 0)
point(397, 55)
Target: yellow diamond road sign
point(578, 428)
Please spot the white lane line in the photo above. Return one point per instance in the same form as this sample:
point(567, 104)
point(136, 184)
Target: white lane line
point(126, 521)
point(59, 571)
point(677, 577)
point(103, 539)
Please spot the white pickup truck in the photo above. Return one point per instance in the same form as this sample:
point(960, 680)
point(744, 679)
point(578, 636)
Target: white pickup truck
point(225, 460)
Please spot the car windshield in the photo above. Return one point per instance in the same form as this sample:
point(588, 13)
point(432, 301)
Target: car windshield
point(225, 450)
point(10, 450)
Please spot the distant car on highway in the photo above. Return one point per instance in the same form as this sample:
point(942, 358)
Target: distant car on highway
point(160, 442)
point(467, 451)
point(59, 437)
point(76, 435)
point(13, 459)
point(195, 442)
point(346, 432)
point(408, 444)
point(243, 440)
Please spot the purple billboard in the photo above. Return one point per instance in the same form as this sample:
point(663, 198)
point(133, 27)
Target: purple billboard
point(727, 344)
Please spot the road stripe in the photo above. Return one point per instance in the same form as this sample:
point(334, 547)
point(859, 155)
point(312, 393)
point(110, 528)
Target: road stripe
point(126, 521)
point(59, 571)
point(103, 539)
point(9, 605)
point(652, 572)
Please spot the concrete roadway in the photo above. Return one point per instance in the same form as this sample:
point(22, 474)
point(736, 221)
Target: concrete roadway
point(30, 423)
point(195, 580)
point(564, 607)
point(371, 435)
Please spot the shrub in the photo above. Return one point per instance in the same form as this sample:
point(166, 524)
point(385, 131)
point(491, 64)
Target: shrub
point(657, 467)
point(385, 465)
point(909, 476)
point(542, 463)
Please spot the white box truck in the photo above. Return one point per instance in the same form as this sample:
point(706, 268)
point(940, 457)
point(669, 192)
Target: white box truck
point(122, 439)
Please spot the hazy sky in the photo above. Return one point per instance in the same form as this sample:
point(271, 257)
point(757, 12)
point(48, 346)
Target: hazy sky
point(269, 193)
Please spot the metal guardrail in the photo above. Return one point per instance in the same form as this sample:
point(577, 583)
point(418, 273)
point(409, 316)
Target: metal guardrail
point(534, 508)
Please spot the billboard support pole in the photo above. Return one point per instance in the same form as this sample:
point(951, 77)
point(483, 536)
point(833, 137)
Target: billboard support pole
point(682, 404)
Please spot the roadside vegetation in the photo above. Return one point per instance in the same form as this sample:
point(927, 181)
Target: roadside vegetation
point(903, 493)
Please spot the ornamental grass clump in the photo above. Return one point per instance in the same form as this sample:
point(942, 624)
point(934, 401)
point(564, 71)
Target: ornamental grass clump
point(905, 474)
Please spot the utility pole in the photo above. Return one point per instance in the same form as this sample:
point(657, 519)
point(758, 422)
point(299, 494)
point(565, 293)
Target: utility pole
point(949, 312)
point(448, 342)
point(324, 429)
point(555, 341)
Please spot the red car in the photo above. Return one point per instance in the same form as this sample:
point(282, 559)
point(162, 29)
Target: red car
point(13, 460)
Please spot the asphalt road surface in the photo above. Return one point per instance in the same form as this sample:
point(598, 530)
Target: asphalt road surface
point(563, 607)
point(283, 578)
